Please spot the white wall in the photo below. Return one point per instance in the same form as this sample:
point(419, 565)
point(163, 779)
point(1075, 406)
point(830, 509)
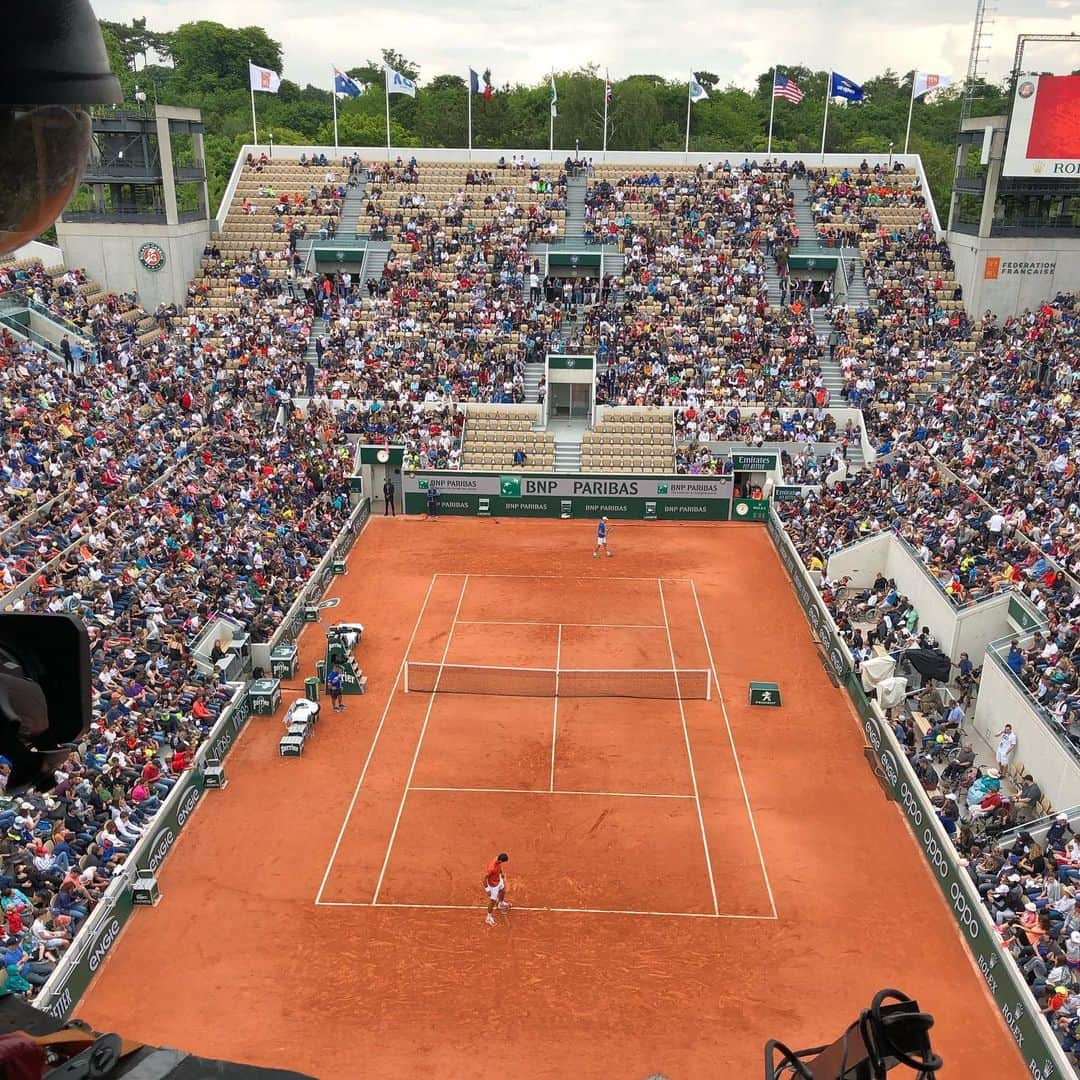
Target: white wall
point(1012, 291)
point(968, 629)
point(109, 254)
point(48, 255)
point(1002, 701)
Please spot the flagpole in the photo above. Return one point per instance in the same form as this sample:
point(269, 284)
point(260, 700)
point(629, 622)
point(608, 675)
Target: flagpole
point(772, 110)
point(910, 109)
point(551, 125)
point(825, 122)
point(607, 83)
point(386, 84)
point(333, 94)
point(468, 90)
point(254, 125)
point(686, 152)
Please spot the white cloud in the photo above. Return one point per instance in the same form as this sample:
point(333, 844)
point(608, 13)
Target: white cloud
point(521, 41)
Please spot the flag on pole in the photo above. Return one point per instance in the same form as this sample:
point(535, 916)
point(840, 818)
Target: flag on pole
point(607, 88)
point(344, 84)
point(396, 83)
point(263, 78)
point(786, 88)
point(841, 87)
point(479, 85)
point(697, 91)
point(554, 97)
point(926, 83)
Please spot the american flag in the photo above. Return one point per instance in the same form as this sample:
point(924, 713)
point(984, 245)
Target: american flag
point(787, 89)
point(607, 88)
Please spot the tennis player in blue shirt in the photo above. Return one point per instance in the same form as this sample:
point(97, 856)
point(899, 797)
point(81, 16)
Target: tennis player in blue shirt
point(601, 539)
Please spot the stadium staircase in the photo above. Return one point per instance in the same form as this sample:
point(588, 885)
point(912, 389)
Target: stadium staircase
point(351, 209)
point(376, 257)
point(568, 453)
point(575, 207)
point(534, 372)
point(804, 218)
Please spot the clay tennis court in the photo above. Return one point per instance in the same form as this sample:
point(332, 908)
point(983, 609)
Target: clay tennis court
point(690, 876)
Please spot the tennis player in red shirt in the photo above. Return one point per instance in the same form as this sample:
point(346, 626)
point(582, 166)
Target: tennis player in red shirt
point(495, 886)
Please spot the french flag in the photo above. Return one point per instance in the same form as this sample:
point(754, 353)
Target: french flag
point(479, 85)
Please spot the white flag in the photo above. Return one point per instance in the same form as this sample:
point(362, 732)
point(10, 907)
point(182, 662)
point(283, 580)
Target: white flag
point(925, 83)
point(697, 91)
point(263, 79)
point(554, 97)
point(396, 83)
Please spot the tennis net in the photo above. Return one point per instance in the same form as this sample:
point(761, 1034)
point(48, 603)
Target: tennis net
point(671, 683)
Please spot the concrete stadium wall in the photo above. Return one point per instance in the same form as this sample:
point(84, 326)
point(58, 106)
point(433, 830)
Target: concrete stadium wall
point(1003, 700)
point(1007, 275)
point(110, 255)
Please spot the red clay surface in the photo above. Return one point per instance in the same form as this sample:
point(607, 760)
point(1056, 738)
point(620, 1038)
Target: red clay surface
point(635, 947)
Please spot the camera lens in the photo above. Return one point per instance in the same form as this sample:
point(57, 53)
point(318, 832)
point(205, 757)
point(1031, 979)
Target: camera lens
point(44, 150)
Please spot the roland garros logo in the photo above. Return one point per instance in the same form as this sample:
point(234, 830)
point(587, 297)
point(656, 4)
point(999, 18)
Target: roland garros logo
point(152, 256)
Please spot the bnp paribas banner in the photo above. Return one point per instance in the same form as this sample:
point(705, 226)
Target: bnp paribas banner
point(531, 485)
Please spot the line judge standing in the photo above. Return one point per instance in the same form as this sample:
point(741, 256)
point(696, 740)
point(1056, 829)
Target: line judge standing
point(388, 498)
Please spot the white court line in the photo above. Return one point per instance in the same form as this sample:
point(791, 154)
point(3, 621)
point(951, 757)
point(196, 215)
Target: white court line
point(545, 622)
point(558, 577)
point(545, 791)
point(735, 753)
point(556, 910)
point(689, 752)
point(555, 707)
point(374, 741)
point(420, 740)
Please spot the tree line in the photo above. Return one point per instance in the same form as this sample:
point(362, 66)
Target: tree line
point(205, 65)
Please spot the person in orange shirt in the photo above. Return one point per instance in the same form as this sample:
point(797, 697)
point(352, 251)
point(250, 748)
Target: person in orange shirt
point(495, 887)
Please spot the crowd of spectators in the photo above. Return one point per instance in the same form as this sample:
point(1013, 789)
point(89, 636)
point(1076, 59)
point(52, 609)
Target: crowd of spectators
point(148, 488)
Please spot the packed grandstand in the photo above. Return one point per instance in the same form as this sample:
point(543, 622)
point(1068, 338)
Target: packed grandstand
point(169, 475)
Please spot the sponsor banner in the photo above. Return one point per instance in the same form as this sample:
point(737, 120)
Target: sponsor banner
point(753, 462)
point(1021, 615)
point(73, 975)
point(570, 363)
point(784, 493)
point(1018, 1008)
point(580, 507)
point(93, 944)
point(548, 485)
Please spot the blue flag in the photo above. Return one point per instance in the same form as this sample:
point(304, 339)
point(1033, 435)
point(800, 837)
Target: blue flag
point(845, 88)
point(343, 84)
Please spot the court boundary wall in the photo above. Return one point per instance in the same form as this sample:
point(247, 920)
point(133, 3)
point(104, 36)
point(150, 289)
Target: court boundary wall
point(1043, 1056)
point(80, 964)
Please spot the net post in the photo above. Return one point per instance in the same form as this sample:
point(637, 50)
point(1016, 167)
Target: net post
point(406, 676)
point(708, 684)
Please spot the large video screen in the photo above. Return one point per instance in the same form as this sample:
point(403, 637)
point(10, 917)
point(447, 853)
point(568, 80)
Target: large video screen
point(1044, 132)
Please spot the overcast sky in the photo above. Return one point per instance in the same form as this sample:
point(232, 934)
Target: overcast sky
point(521, 40)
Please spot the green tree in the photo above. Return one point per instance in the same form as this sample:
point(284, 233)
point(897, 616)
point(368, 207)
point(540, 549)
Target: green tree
point(372, 71)
point(208, 56)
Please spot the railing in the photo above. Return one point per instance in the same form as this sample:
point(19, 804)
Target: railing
point(999, 651)
point(115, 215)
